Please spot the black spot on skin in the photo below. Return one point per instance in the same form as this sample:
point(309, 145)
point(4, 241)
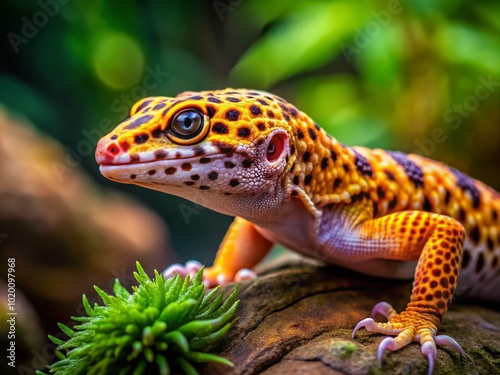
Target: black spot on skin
point(491, 244)
point(270, 114)
point(244, 132)
point(233, 100)
point(363, 165)
point(283, 107)
point(393, 203)
point(375, 209)
point(233, 115)
point(160, 154)
point(475, 235)
point(178, 155)
point(143, 105)
point(300, 135)
point(234, 183)
point(134, 158)
point(156, 133)
point(380, 193)
point(390, 175)
point(151, 172)
point(247, 163)
point(224, 148)
point(494, 214)
point(114, 136)
point(214, 100)
point(333, 155)
point(447, 197)
point(159, 106)
point(461, 215)
point(306, 156)
point(412, 170)
point(195, 97)
point(138, 122)
point(198, 151)
point(294, 112)
point(170, 170)
point(480, 262)
point(195, 177)
point(205, 160)
point(229, 165)
point(141, 138)
point(427, 205)
point(255, 110)
point(220, 128)
point(312, 134)
point(308, 179)
point(467, 184)
point(465, 259)
point(210, 111)
point(346, 168)
point(292, 149)
point(324, 163)
point(186, 167)
point(296, 180)
point(285, 116)
point(317, 126)
point(336, 183)
point(133, 176)
point(189, 183)
point(204, 187)
point(261, 126)
point(262, 101)
point(213, 175)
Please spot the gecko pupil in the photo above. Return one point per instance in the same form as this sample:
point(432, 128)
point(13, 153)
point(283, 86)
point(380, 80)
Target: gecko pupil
point(187, 124)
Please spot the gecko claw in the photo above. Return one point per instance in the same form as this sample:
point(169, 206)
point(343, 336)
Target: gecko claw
point(386, 344)
point(384, 309)
point(190, 268)
point(429, 351)
point(367, 323)
point(444, 340)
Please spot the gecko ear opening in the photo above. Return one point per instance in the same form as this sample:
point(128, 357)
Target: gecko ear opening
point(275, 147)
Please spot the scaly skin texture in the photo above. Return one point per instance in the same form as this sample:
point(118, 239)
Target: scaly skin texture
point(255, 156)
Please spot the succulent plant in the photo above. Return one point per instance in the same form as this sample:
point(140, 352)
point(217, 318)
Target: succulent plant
point(163, 326)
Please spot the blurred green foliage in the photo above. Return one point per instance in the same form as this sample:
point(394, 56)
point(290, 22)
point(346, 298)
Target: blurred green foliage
point(418, 76)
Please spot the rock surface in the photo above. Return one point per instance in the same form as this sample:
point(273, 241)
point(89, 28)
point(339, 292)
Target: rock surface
point(298, 317)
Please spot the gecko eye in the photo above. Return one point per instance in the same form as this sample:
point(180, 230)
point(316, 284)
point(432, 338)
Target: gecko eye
point(187, 127)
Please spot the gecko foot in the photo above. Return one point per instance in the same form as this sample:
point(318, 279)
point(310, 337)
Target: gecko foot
point(407, 326)
point(212, 276)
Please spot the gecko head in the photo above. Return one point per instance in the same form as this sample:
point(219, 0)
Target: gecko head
point(203, 146)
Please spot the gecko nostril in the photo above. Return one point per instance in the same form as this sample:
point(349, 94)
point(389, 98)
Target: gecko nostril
point(113, 149)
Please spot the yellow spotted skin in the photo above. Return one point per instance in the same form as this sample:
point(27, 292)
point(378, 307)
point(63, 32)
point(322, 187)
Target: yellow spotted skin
point(255, 156)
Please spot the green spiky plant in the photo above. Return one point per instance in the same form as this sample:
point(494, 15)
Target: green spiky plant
point(161, 327)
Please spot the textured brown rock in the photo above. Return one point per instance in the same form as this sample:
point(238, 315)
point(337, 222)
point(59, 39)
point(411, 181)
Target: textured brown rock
point(297, 318)
point(65, 236)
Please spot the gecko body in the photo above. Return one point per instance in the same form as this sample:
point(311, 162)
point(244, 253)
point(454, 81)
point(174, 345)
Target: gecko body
point(253, 155)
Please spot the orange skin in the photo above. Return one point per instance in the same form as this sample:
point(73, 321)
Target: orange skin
point(255, 156)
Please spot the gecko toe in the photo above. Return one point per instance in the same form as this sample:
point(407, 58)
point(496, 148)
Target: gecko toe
point(245, 274)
